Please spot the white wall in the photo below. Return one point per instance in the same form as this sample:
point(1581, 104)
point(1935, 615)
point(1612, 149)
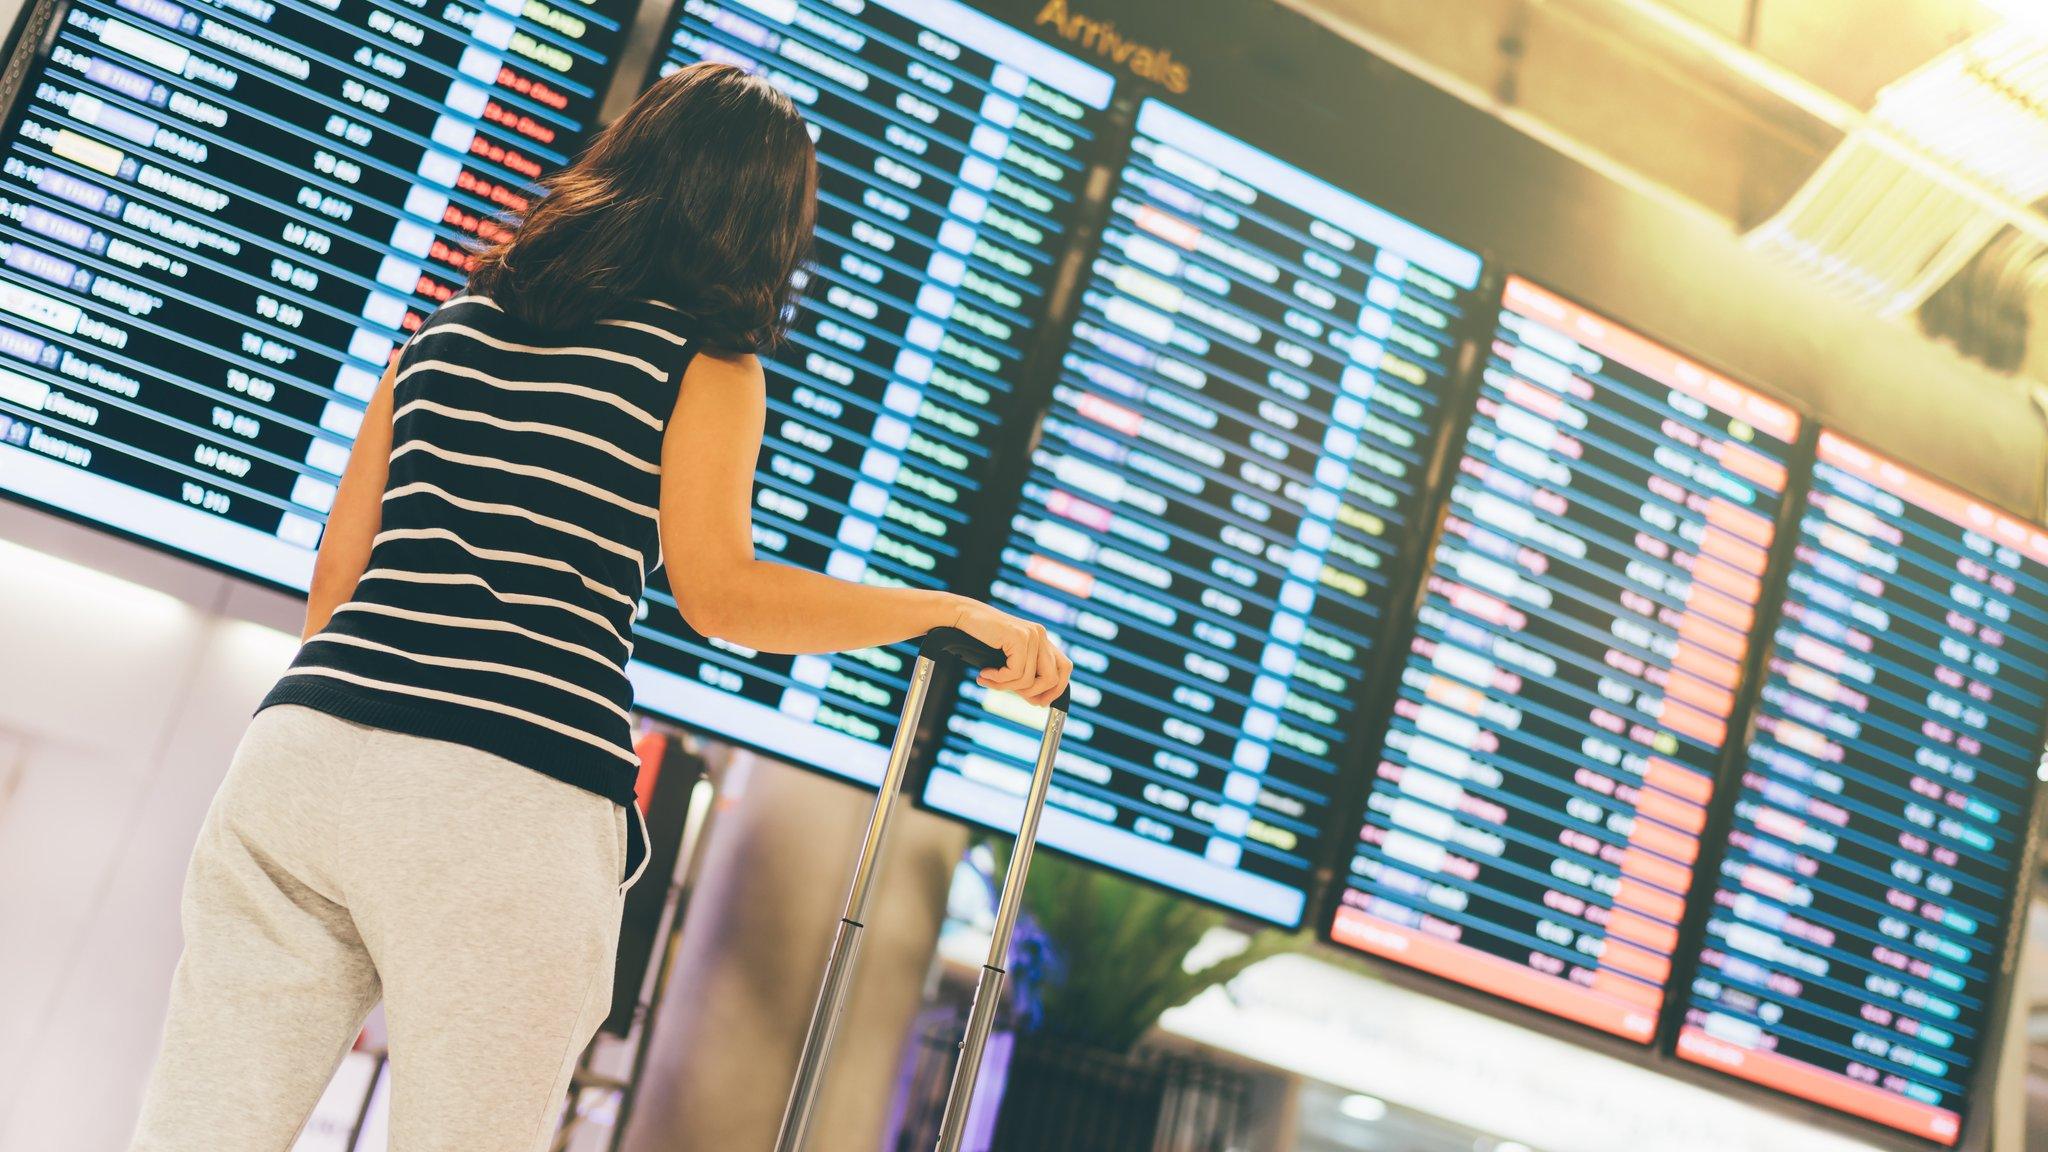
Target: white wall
point(120, 702)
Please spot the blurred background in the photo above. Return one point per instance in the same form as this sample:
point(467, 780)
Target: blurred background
point(1836, 206)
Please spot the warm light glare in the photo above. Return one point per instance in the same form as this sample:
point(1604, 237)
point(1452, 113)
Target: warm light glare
point(2024, 12)
point(260, 645)
point(49, 575)
point(1364, 1108)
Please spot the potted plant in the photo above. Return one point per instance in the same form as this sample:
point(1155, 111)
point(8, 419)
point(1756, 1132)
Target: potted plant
point(1096, 960)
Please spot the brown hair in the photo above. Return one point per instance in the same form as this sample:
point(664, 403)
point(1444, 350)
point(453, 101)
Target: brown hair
point(703, 195)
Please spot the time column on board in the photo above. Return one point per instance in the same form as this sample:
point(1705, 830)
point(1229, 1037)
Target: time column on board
point(950, 158)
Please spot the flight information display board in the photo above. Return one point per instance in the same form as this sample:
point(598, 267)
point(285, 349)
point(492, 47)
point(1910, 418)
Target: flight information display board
point(1231, 462)
point(1854, 950)
point(950, 159)
point(217, 222)
point(1533, 819)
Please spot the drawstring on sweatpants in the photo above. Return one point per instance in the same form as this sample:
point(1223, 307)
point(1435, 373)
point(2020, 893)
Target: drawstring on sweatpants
point(646, 847)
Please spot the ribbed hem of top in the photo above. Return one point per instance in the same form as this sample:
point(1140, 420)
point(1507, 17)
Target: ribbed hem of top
point(505, 737)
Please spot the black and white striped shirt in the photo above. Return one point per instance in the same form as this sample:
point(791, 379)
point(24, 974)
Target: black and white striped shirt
point(519, 524)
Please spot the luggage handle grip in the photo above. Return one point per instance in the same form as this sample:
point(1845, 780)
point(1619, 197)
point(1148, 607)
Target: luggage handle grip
point(952, 642)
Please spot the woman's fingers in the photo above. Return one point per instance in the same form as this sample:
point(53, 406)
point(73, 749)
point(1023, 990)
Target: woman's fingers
point(1033, 666)
point(1045, 686)
point(1015, 644)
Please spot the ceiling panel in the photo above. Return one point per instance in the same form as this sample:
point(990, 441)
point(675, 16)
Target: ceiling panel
point(1723, 16)
point(1852, 48)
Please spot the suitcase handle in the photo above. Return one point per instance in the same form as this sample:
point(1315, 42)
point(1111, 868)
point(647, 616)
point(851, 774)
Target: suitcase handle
point(938, 644)
point(943, 642)
point(960, 646)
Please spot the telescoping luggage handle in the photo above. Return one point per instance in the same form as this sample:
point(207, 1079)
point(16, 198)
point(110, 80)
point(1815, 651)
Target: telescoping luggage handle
point(940, 643)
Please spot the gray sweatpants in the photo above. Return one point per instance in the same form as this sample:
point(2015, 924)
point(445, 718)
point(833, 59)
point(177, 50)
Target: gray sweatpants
point(338, 862)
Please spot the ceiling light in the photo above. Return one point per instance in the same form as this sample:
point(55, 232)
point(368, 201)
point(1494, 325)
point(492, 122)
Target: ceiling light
point(1364, 1108)
point(2026, 12)
point(1912, 195)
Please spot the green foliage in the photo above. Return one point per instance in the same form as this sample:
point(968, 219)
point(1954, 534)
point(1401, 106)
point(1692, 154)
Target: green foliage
point(1123, 945)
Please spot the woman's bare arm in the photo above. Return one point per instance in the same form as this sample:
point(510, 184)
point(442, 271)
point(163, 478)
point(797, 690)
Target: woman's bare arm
point(358, 513)
point(709, 453)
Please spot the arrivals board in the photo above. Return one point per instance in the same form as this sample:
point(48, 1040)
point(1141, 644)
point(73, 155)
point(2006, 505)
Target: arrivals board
point(1233, 457)
point(1534, 815)
point(950, 161)
point(1856, 939)
point(217, 222)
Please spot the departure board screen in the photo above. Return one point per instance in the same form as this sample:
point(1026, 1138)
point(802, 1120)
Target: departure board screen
point(1533, 820)
point(1230, 464)
point(1859, 922)
point(217, 222)
point(950, 159)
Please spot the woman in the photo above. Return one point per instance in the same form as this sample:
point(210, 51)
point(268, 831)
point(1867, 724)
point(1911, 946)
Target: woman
point(431, 805)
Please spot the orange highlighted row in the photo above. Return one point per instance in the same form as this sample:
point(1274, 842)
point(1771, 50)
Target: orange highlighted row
point(1734, 518)
point(1477, 603)
point(1664, 841)
point(1111, 415)
point(1702, 598)
point(1830, 1089)
point(1700, 694)
point(1541, 401)
point(1453, 695)
point(1757, 468)
point(1655, 870)
point(1727, 579)
point(1624, 957)
point(1643, 898)
point(1658, 938)
point(1629, 1019)
point(1687, 720)
point(1168, 227)
point(1733, 550)
point(1681, 814)
point(1064, 577)
point(1694, 660)
point(1678, 781)
point(1632, 991)
point(1696, 629)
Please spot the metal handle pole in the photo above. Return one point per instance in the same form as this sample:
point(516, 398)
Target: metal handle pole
point(988, 989)
point(831, 1005)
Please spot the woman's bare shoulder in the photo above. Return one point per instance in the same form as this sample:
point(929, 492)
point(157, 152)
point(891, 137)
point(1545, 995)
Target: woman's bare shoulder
point(712, 367)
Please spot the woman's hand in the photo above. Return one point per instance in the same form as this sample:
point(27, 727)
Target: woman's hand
point(1034, 667)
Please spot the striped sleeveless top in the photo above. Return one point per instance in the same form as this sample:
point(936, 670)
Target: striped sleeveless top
point(519, 525)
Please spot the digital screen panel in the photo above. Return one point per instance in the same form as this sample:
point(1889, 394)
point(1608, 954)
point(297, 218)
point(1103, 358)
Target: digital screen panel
point(1854, 946)
point(1534, 815)
point(1232, 460)
point(951, 157)
point(217, 222)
